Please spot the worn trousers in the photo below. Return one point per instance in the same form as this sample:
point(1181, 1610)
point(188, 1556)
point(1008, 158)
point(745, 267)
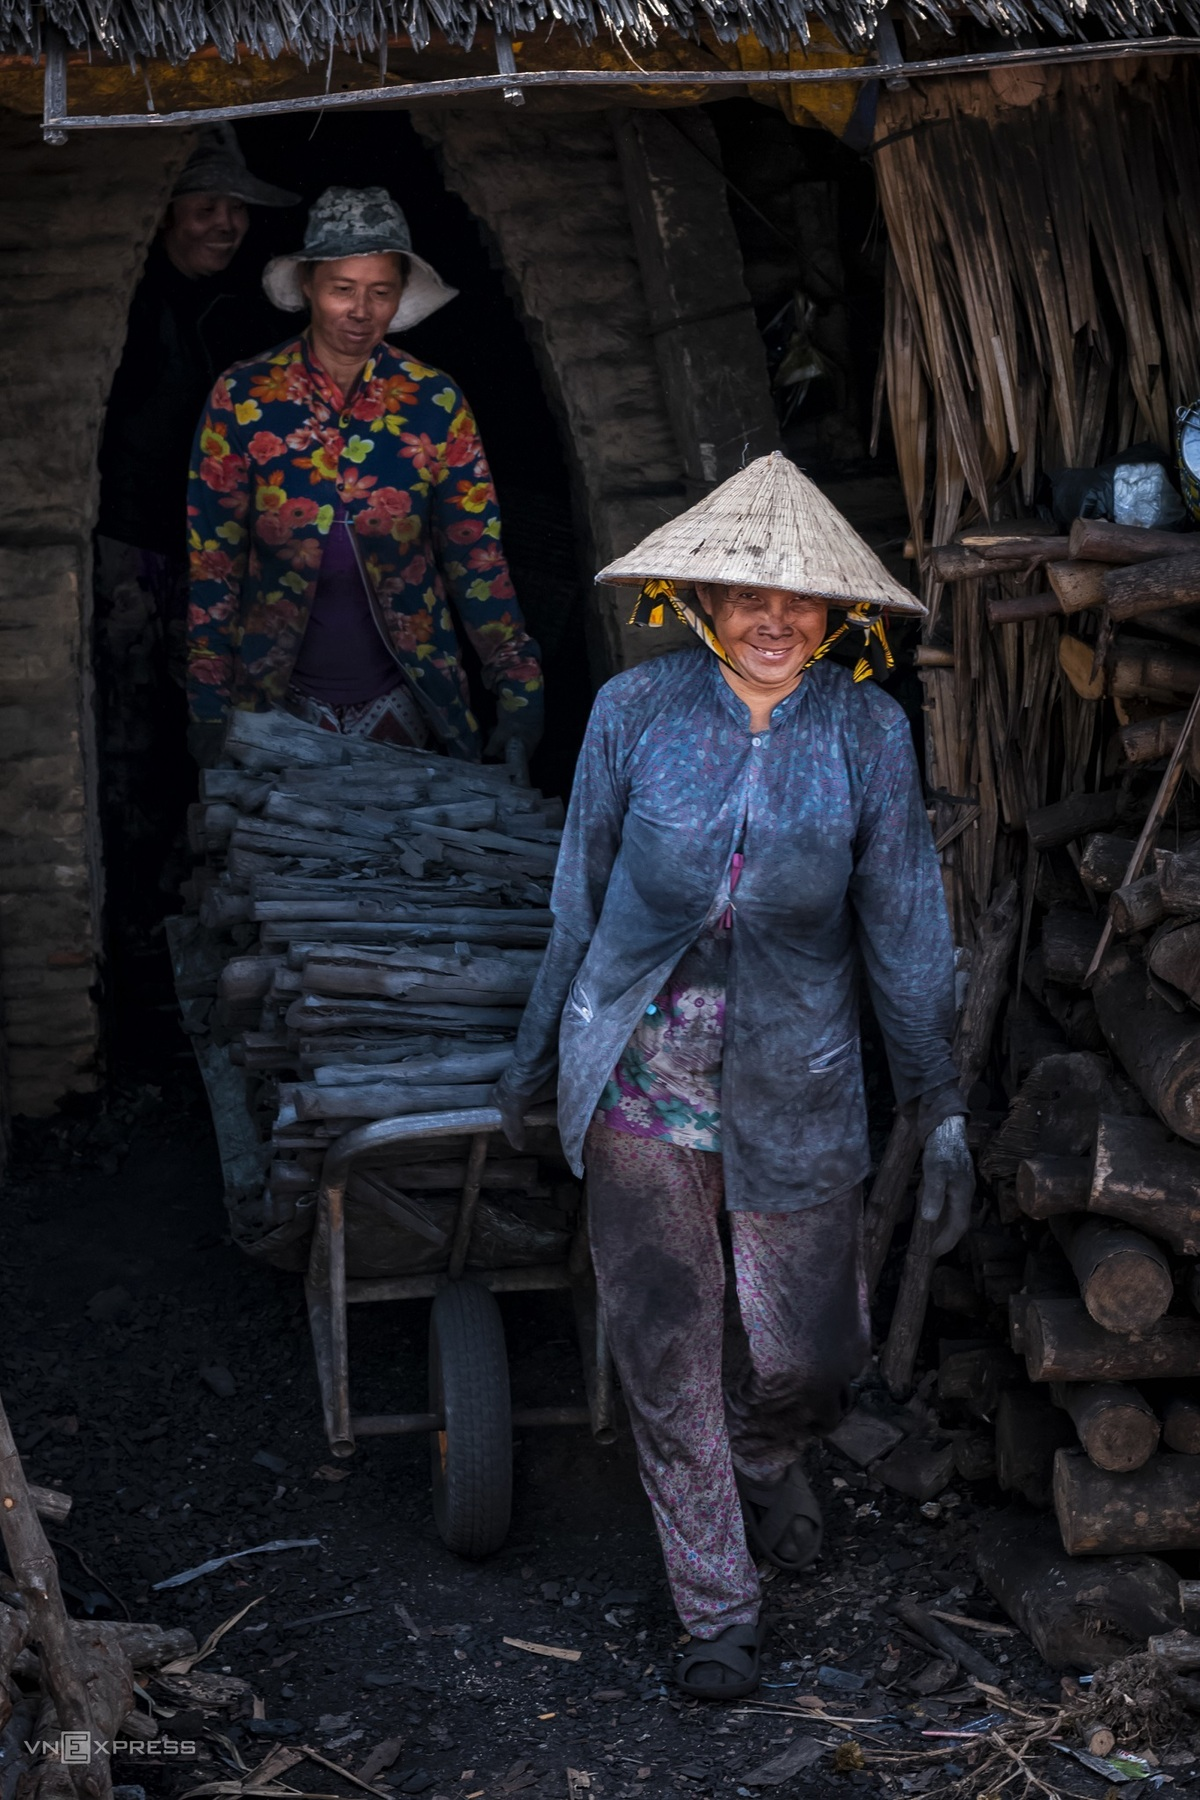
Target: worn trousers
point(719, 1374)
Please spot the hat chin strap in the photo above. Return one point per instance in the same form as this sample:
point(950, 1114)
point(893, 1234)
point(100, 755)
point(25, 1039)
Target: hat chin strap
point(877, 659)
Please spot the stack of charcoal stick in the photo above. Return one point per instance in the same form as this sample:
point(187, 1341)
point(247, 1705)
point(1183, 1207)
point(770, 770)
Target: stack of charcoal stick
point(1096, 1168)
point(362, 933)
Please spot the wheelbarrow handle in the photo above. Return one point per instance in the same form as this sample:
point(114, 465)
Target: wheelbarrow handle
point(385, 1134)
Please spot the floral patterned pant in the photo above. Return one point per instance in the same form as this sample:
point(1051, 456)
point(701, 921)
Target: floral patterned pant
point(714, 1372)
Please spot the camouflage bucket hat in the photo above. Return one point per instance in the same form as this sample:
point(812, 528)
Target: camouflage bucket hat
point(358, 222)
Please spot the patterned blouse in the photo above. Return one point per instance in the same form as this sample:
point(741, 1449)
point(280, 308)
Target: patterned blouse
point(278, 454)
point(668, 1082)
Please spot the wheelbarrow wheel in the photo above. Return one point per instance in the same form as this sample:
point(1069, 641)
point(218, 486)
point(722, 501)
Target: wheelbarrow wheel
point(472, 1453)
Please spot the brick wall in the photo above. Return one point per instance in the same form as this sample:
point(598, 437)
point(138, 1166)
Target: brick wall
point(75, 223)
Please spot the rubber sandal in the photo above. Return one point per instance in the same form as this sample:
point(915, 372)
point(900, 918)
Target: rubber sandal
point(771, 1512)
point(738, 1649)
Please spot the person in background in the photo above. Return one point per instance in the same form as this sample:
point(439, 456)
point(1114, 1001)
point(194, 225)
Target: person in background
point(746, 841)
point(186, 323)
point(343, 516)
point(189, 317)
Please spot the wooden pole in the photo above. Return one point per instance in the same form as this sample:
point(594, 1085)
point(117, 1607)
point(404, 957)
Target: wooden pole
point(1172, 775)
point(994, 946)
point(1099, 540)
point(35, 1573)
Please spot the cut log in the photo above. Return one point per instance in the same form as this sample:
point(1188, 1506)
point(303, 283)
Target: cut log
point(50, 1504)
point(1179, 880)
point(1140, 670)
point(1028, 1432)
point(1076, 659)
point(1065, 820)
point(1159, 1047)
point(1055, 1112)
point(1124, 1278)
point(1100, 540)
point(1156, 1507)
point(1051, 1185)
point(1174, 957)
point(1062, 1343)
point(1167, 582)
point(1138, 907)
point(1147, 740)
point(1077, 585)
point(1079, 1615)
point(1143, 1175)
point(1069, 940)
point(1176, 1650)
point(1024, 606)
point(1105, 861)
point(955, 562)
point(1181, 1425)
point(1115, 1425)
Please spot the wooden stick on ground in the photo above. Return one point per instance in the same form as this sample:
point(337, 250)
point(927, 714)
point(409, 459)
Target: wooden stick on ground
point(35, 1573)
point(998, 930)
point(1172, 775)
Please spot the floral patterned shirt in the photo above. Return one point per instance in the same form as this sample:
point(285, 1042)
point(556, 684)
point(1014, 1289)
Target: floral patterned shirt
point(278, 453)
point(668, 1082)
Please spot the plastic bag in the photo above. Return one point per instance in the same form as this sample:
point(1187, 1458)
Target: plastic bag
point(1143, 495)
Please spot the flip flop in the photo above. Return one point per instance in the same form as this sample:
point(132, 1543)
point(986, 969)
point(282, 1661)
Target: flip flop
point(737, 1650)
point(774, 1510)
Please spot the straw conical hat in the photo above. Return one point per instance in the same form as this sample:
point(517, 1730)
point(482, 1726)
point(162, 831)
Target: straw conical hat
point(767, 526)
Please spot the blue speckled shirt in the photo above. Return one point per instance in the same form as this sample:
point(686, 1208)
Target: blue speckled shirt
point(840, 874)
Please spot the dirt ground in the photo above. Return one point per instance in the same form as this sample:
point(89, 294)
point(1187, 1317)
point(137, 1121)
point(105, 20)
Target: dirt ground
point(374, 1645)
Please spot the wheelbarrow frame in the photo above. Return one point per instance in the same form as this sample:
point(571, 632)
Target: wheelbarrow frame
point(330, 1293)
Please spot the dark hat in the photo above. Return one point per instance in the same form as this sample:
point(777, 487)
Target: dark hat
point(217, 166)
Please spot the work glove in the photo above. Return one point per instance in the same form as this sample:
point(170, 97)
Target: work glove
point(205, 742)
point(520, 727)
point(947, 1183)
point(513, 1106)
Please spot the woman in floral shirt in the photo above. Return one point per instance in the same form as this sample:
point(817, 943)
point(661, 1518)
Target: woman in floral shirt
point(340, 505)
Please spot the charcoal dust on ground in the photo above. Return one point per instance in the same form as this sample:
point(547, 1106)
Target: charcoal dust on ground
point(166, 1383)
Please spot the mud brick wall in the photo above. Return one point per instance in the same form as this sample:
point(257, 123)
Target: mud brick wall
point(75, 223)
point(552, 192)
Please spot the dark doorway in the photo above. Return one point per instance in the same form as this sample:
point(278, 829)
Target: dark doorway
point(480, 341)
point(146, 780)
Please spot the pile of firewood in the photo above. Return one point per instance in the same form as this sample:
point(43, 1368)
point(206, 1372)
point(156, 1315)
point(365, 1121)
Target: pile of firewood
point(362, 935)
point(1096, 1170)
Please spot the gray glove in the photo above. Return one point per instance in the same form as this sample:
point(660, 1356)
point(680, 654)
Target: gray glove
point(524, 728)
point(947, 1182)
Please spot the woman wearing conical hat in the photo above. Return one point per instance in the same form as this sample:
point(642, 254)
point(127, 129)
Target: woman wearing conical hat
point(746, 834)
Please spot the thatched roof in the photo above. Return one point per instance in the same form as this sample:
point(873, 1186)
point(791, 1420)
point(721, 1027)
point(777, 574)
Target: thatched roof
point(310, 29)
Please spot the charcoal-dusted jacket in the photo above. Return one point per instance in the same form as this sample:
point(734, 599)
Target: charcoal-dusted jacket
point(839, 874)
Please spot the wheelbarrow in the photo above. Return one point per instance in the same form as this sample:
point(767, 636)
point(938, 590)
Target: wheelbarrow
point(469, 1414)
